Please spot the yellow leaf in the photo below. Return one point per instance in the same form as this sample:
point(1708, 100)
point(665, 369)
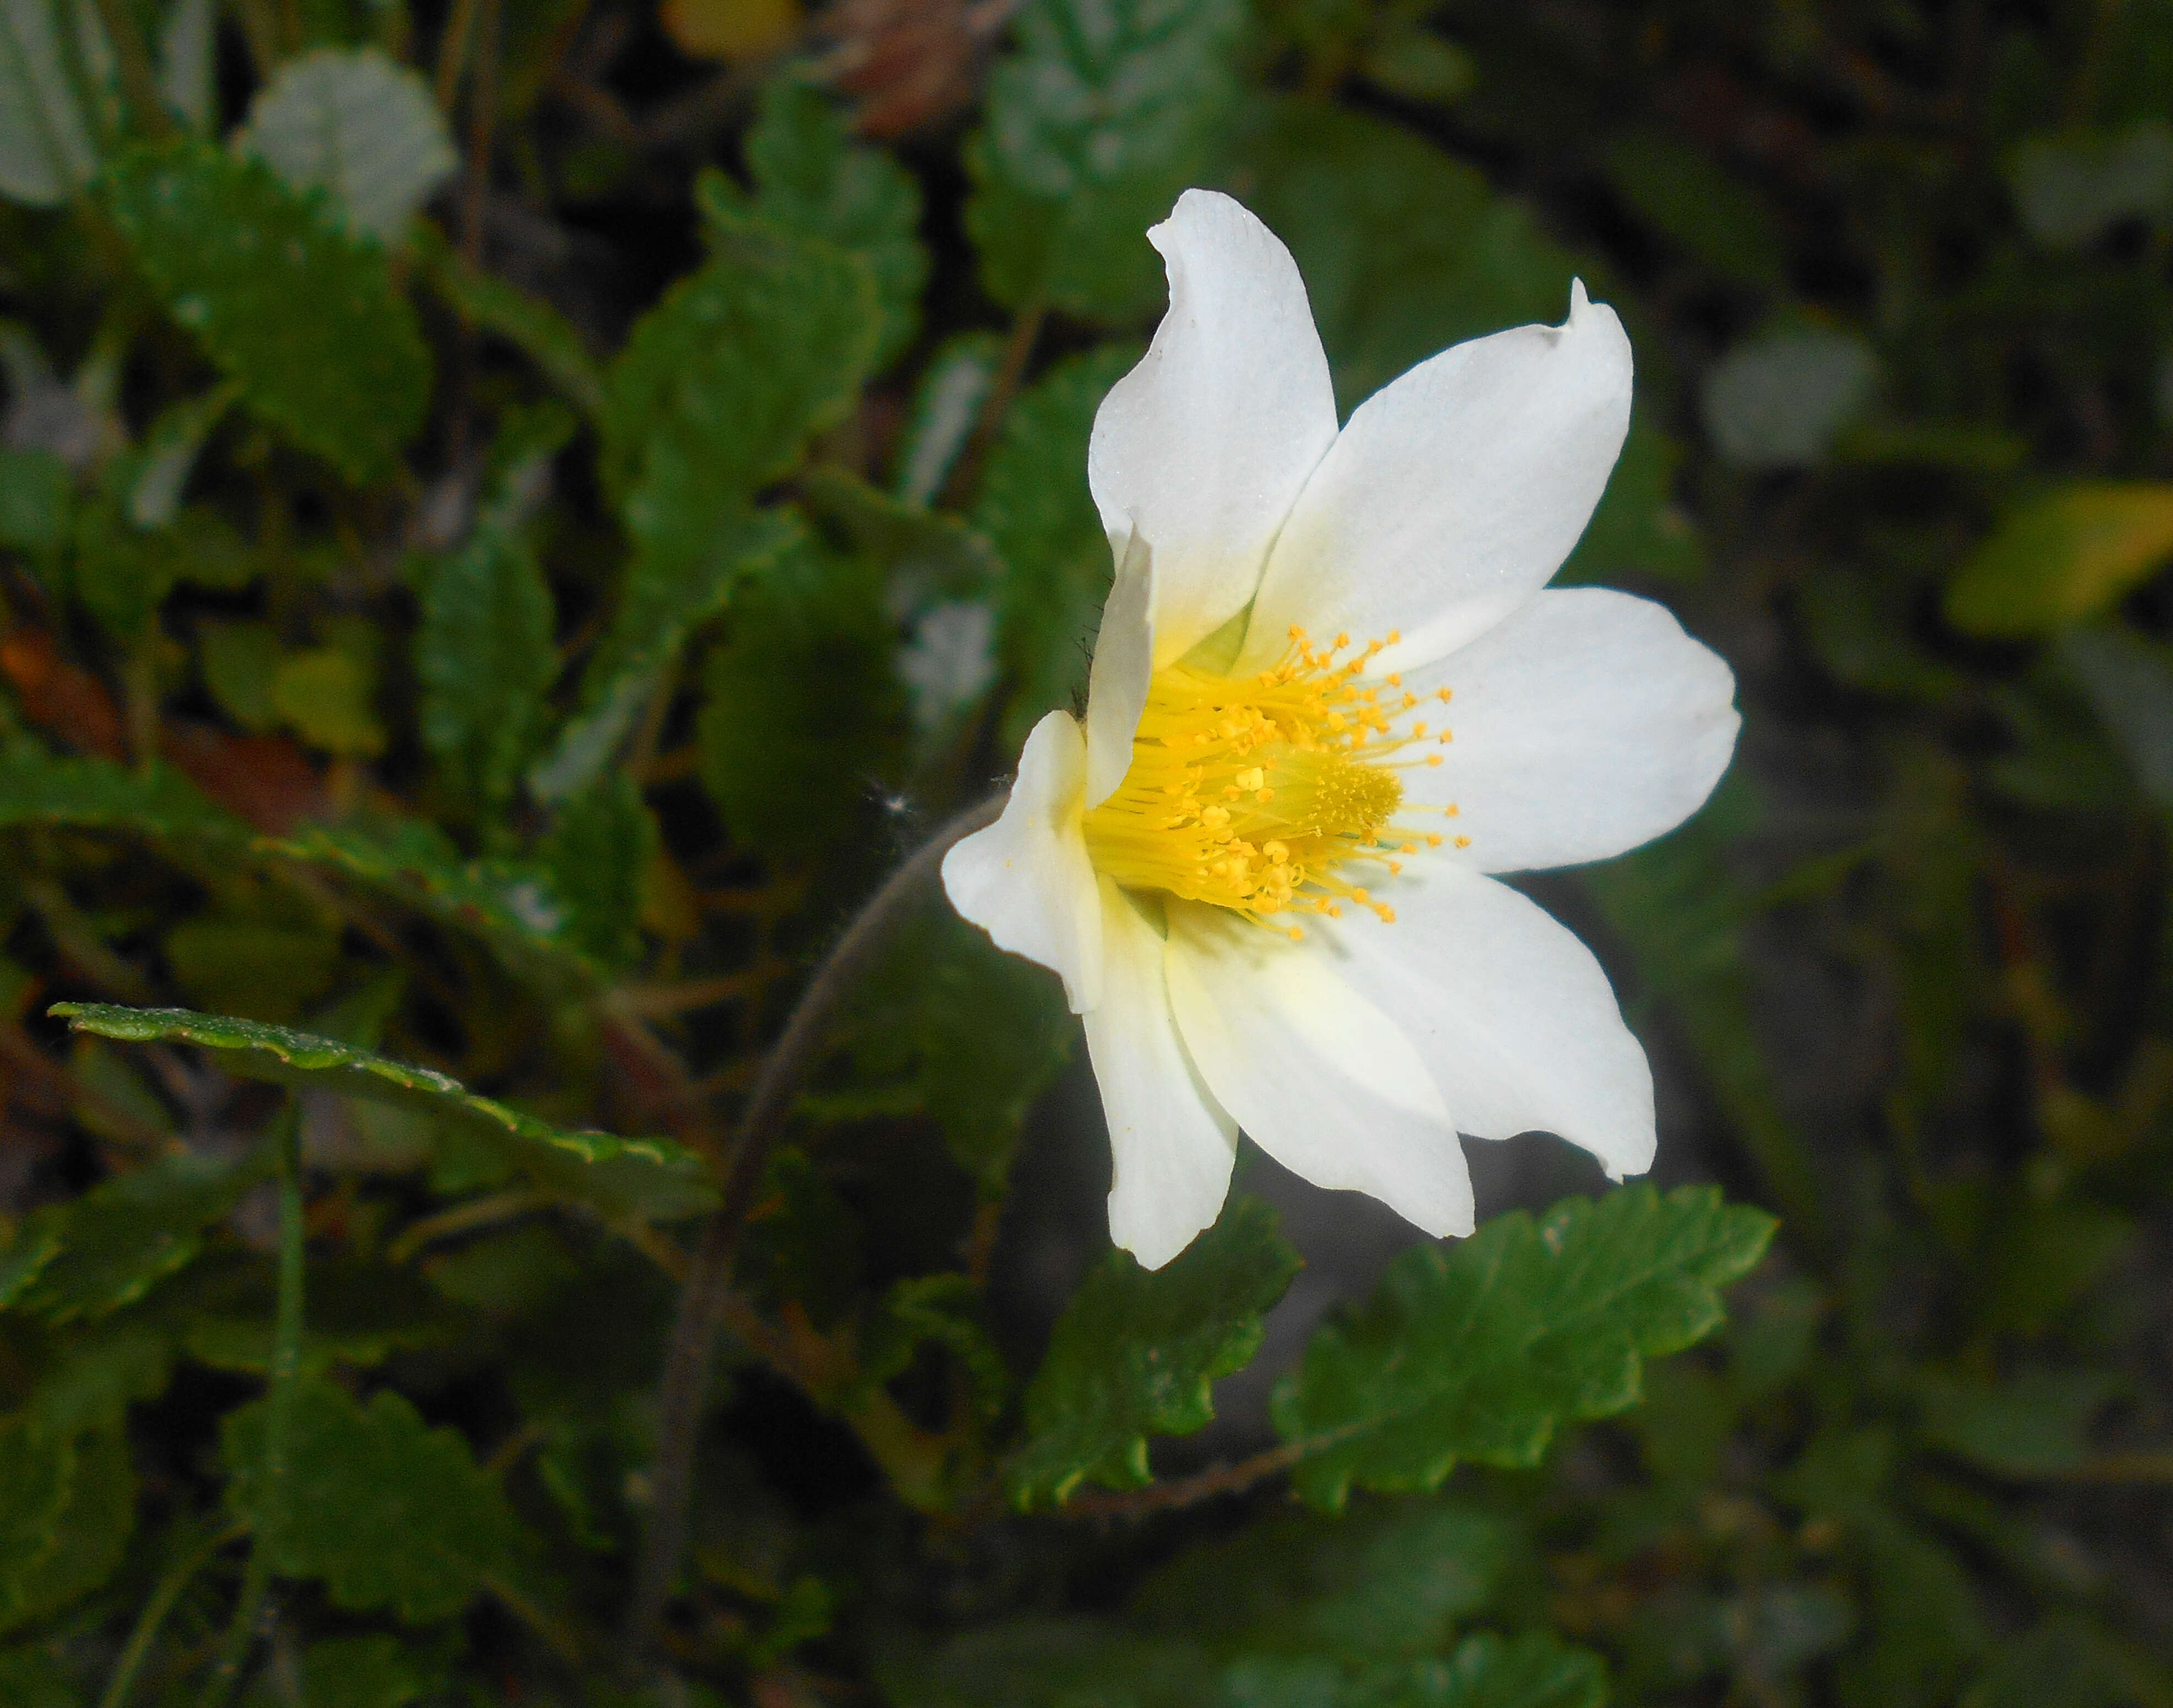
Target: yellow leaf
point(326, 695)
point(738, 30)
point(2063, 557)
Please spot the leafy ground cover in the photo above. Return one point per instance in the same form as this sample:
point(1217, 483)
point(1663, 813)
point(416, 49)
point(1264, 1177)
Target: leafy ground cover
point(516, 517)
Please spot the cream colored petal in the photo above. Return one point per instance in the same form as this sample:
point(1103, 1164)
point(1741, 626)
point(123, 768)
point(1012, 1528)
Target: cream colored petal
point(1204, 445)
point(1324, 1081)
point(1453, 493)
point(1585, 724)
point(1026, 880)
point(1511, 1013)
point(1124, 662)
point(1170, 1146)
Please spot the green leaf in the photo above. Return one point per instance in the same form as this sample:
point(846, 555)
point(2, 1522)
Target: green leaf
point(947, 1310)
point(121, 1238)
point(1033, 504)
point(1691, 198)
point(484, 659)
point(259, 969)
point(2071, 554)
point(528, 323)
point(950, 1025)
point(33, 1676)
point(2035, 1425)
point(1102, 117)
point(1780, 400)
point(1388, 1580)
point(597, 854)
point(1482, 1349)
point(37, 494)
point(802, 711)
point(37, 788)
point(1048, 1663)
point(1531, 1671)
point(66, 1507)
point(388, 1511)
point(1137, 1351)
point(45, 150)
point(810, 177)
point(302, 314)
point(1404, 250)
point(684, 571)
point(624, 1174)
point(351, 122)
point(327, 694)
point(739, 366)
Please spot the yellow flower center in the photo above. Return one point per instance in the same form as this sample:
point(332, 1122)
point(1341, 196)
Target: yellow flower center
point(1260, 794)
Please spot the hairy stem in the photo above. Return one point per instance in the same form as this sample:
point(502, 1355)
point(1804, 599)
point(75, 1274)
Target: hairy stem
point(703, 1299)
point(163, 1595)
point(284, 1379)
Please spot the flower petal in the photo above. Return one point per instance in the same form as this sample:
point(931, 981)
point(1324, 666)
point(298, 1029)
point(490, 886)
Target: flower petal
point(1171, 1145)
point(1511, 1013)
point(1123, 661)
point(1326, 1083)
point(1585, 723)
point(1026, 880)
point(1204, 445)
point(1453, 493)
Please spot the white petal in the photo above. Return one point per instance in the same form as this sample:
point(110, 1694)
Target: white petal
point(1204, 445)
point(1511, 1013)
point(1453, 493)
point(1326, 1083)
point(1171, 1145)
point(1585, 724)
point(1123, 661)
point(1026, 880)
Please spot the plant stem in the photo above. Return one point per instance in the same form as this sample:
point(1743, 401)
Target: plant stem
point(137, 78)
point(702, 1300)
point(283, 1382)
point(1169, 1497)
point(167, 1591)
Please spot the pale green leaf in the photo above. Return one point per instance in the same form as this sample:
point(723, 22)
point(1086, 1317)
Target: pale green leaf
point(351, 122)
point(302, 314)
point(45, 151)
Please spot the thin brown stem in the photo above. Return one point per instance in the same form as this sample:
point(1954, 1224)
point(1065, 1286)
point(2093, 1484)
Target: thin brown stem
point(139, 78)
point(1135, 1504)
point(704, 1298)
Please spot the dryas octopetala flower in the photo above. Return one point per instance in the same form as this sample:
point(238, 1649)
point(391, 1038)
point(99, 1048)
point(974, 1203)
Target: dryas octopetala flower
point(1329, 698)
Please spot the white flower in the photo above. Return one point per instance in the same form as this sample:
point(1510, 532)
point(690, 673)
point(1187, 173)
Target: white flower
point(1329, 696)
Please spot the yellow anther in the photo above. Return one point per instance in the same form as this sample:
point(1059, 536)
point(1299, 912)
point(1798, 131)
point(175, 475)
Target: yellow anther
point(1360, 897)
point(1250, 780)
point(1443, 695)
point(1464, 842)
point(1433, 839)
point(1387, 914)
point(1433, 758)
point(1446, 737)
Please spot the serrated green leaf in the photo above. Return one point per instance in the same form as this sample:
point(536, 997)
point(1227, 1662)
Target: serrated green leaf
point(1102, 117)
point(597, 854)
point(303, 314)
point(528, 323)
point(811, 176)
point(1482, 1349)
point(122, 1237)
point(353, 123)
point(45, 150)
point(1033, 504)
point(101, 1372)
point(684, 569)
point(37, 788)
point(1136, 1350)
point(628, 1176)
point(66, 1507)
point(1382, 1583)
point(946, 1310)
point(2069, 555)
point(387, 1511)
point(484, 659)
